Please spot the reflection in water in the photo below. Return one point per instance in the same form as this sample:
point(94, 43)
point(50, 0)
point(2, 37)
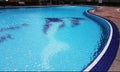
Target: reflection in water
point(61, 25)
point(24, 24)
point(54, 20)
point(5, 37)
point(76, 21)
point(46, 27)
point(12, 27)
point(52, 48)
point(8, 36)
point(50, 21)
point(9, 28)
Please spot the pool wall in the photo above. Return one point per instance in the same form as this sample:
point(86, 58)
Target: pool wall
point(107, 55)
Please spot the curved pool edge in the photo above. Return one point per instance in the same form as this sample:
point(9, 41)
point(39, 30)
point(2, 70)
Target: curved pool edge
point(109, 52)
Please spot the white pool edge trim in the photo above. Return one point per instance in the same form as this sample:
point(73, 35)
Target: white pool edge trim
point(103, 51)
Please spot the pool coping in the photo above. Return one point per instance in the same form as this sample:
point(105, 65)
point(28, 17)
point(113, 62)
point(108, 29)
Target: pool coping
point(109, 52)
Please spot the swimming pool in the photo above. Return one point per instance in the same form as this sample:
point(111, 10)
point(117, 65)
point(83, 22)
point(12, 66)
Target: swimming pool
point(55, 38)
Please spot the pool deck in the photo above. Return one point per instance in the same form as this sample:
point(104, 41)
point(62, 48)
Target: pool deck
point(112, 13)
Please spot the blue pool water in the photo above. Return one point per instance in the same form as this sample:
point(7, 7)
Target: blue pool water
point(48, 39)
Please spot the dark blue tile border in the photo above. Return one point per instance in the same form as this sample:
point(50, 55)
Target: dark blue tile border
point(109, 56)
point(106, 61)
